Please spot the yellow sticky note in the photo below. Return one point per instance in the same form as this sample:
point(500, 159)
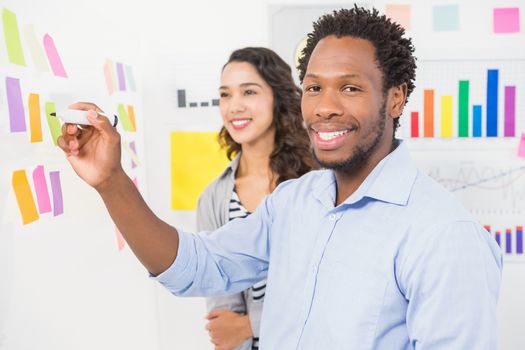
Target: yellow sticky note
point(24, 197)
point(196, 159)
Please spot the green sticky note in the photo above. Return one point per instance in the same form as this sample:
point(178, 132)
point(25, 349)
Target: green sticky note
point(12, 38)
point(53, 122)
point(124, 118)
point(445, 17)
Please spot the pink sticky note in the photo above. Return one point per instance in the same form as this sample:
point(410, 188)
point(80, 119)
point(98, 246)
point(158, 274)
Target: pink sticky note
point(42, 193)
point(54, 59)
point(506, 20)
point(121, 243)
point(108, 76)
point(399, 13)
point(521, 148)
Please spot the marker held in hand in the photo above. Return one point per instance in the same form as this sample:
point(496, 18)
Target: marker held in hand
point(75, 116)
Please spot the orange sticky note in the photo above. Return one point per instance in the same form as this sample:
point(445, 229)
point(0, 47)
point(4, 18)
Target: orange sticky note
point(131, 115)
point(24, 197)
point(35, 122)
point(399, 13)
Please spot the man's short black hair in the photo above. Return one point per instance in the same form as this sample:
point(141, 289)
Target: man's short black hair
point(394, 53)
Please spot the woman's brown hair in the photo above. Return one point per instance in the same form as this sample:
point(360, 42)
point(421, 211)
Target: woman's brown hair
point(291, 156)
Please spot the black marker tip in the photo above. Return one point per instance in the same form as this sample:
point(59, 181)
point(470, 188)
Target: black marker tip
point(53, 114)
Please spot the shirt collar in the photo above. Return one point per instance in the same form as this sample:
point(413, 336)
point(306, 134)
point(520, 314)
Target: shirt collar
point(231, 168)
point(390, 181)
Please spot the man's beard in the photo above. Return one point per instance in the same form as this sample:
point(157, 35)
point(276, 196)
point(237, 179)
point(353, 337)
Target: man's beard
point(362, 152)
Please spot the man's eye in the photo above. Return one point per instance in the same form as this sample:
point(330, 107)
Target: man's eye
point(351, 88)
point(314, 88)
point(223, 94)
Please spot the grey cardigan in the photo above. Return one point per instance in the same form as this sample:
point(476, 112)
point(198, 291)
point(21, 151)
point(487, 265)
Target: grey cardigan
point(212, 213)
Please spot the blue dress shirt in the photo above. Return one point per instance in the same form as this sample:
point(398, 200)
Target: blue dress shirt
point(400, 264)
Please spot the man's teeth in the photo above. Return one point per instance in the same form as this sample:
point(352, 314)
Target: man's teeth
point(327, 136)
point(240, 122)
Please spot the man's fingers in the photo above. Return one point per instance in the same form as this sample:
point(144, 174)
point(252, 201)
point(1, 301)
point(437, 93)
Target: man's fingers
point(85, 106)
point(63, 144)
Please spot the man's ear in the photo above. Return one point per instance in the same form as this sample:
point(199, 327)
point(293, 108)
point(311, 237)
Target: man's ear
point(397, 96)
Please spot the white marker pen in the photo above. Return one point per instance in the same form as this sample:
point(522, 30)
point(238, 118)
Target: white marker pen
point(75, 116)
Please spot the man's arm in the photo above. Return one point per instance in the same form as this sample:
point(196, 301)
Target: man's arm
point(94, 154)
point(451, 280)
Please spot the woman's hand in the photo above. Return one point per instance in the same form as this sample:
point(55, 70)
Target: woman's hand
point(93, 151)
point(228, 329)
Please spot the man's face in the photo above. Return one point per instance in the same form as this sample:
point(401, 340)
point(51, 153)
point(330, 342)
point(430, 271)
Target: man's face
point(343, 103)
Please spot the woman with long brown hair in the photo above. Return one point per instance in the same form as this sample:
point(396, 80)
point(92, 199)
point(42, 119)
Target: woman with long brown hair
point(264, 137)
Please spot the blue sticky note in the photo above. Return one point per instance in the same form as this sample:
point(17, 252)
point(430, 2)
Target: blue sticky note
point(445, 18)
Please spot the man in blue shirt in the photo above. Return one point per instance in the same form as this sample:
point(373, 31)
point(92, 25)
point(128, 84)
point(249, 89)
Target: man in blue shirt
point(367, 254)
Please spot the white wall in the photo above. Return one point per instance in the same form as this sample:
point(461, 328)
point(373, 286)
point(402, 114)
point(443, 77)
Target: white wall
point(171, 44)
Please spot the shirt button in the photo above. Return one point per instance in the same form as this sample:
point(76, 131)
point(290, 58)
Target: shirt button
point(331, 217)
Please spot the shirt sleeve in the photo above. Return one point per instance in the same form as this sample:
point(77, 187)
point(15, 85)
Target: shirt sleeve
point(452, 288)
point(227, 260)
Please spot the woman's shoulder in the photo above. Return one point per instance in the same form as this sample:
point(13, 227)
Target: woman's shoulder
point(225, 179)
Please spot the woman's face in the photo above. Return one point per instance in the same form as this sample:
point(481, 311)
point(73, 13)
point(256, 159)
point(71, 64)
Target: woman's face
point(246, 104)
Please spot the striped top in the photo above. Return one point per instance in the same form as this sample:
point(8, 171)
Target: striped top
point(237, 210)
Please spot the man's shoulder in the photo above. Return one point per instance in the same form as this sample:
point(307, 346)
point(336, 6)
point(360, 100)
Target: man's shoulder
point(429, 199)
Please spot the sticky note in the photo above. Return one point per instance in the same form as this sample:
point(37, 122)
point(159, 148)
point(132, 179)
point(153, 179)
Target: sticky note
point(521, 147)
point(24, 197)
point(399, 13)
point(54, 124)
point(54, 59)
point(121, 243)
point(445, 18)
point(124, 118)
point(506, 20)
point(56, 189)
point(35, 121)
point(121, 78)
point(42, 193)
point(35, 49)
point(131, 115)
point(12, 38)
point(110, 84)
point(130, 78)
point(130, 148)
point(196, 159)
point(17, 121)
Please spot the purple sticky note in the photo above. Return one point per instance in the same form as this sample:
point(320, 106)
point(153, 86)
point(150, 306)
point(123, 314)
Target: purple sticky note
point(506, 20)
point(17, 119)
point(134, 150)
point(56, 189)
point(121, 78)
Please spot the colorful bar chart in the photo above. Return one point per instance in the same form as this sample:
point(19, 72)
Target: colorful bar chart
point(485, 106)
point(511, 242)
